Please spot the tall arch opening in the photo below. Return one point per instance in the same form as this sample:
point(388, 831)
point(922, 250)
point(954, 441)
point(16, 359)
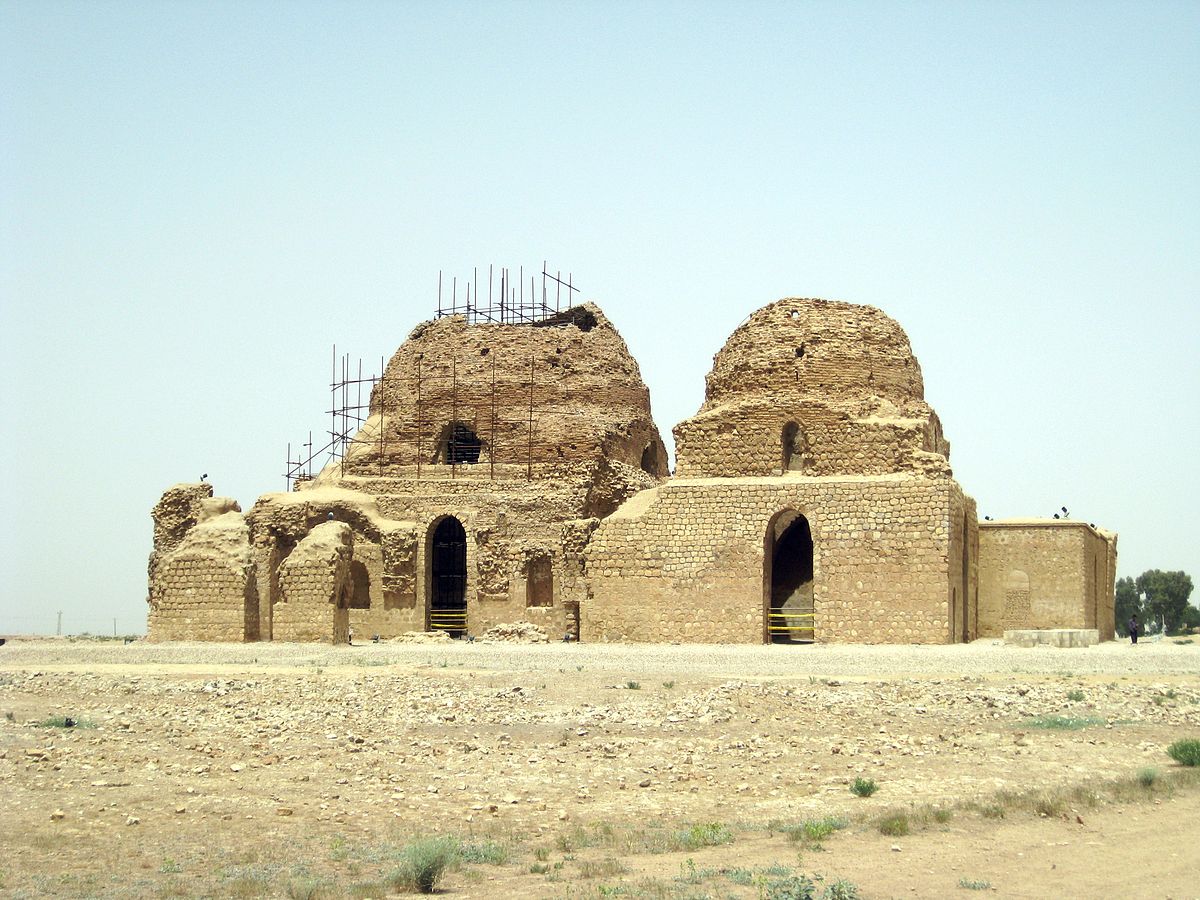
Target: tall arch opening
point(447, 609)
point(788, 582)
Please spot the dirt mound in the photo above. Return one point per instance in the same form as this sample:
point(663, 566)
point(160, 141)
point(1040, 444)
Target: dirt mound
point(516, 633)
point(422, 637)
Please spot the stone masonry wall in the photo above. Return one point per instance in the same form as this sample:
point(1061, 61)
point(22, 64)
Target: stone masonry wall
point(1037, 574)
point(685, 561)
point(315, 587)
point(204, 589)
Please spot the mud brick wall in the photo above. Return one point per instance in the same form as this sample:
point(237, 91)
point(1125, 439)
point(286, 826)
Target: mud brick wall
point(204, 589)
point(686, 560)
point(315, 587)
point(1045, 574)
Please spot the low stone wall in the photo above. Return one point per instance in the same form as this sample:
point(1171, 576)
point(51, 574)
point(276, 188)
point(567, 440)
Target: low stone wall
point(1053, 637)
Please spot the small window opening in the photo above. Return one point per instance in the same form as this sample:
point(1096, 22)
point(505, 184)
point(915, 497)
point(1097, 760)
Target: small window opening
point(539, 582)
point(795, 314)
point(649, 460)
point(799, 351)
point(485, 351)
point(794, 447)
point(461, 446)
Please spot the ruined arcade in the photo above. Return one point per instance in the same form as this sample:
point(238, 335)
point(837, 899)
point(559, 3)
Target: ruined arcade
point(507, 469)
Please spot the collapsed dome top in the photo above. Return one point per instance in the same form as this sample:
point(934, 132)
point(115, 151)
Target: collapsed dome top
point(826, 349)
point(814, 386)
point(560, 390)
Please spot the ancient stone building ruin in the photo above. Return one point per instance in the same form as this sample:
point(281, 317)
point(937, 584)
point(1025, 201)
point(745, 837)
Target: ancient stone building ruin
point(513, 472)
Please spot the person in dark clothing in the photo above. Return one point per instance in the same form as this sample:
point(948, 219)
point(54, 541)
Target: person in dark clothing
point(1133, 629)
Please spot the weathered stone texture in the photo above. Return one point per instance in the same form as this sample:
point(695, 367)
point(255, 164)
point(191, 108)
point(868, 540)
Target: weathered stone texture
point(315, 587)
point(539, 442)
point(204, 589)
point(687, 561)
point(539, 396)
point(177, 511)
point(818, 387)
point(1038, 573)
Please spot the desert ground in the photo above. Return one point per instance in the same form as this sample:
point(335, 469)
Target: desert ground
point(587, 770)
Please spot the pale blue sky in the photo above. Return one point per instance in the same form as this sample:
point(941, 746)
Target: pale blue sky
point(198, 199)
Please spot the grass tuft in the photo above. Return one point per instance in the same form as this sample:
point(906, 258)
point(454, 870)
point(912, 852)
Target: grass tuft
point(811, 831)
point(490, 853)
point(423, 863)
point(710, 834)
point(1064, 723)
point(602, 868)
point(1185, 752)
point(64, 722)
point(894, 825)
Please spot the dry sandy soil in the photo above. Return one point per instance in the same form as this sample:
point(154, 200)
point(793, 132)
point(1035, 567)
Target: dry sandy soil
point(597, 771)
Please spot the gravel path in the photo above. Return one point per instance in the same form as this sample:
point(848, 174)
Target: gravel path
point(984, 657)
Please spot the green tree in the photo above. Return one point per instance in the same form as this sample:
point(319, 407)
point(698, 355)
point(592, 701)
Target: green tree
point(1166, 595)
point(1127, 603)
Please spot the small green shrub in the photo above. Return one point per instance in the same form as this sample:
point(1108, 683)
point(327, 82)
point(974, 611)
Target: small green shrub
point(1075, 696)
point(423, 863)
point(541, 854)
point(894, 825)
point(489, 852)
point(710, 834)
point(863, 787)
point(64, 722)
point(539, 869)
point(791, 887)
point(668, 684)
point(841, 890)
point(633, 685)
point(973, 885)
point(812, 831)
point(1147, 777)
point(992, 811)
point(1186, 752)
point(942, 815)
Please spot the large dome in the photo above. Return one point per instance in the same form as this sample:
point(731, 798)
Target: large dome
point(540, 396)
point(818, 387)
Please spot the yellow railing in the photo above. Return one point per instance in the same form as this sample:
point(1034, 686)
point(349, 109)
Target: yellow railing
point(781, 623)
point(448, 620)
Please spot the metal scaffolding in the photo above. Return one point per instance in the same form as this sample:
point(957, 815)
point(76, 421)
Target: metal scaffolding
point(507, 302)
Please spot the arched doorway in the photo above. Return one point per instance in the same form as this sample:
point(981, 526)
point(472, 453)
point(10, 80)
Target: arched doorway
point(448, 578)
point(791, 613)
